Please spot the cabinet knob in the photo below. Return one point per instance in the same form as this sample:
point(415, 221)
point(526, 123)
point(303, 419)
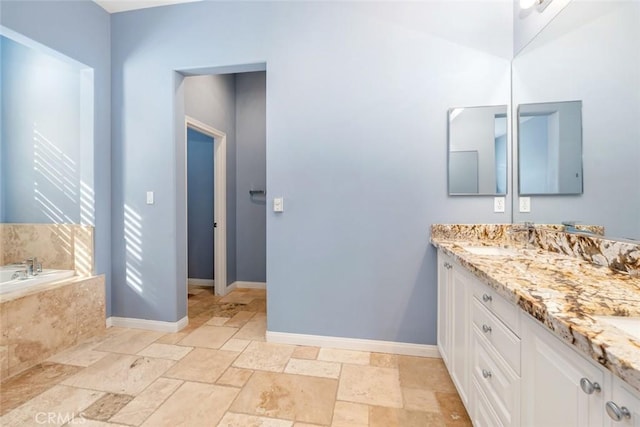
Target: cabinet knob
point(486, 373)
point(487, 329)
point(617, 413)
point(589, 387)
point(487, 298)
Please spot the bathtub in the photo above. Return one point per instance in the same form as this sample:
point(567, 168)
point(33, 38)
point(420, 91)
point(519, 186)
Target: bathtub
point(47, 276)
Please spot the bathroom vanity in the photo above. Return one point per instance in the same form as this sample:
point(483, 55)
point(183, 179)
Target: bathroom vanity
point(537, 338)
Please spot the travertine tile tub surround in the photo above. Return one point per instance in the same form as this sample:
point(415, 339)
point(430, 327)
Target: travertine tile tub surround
point(565, 293)
point(57, 246)
point(39, 323)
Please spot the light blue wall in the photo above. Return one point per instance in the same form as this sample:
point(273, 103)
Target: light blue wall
point(200, 205)
point(251, 173)
point(357, 95)
point(41, 143)
point(79, 30)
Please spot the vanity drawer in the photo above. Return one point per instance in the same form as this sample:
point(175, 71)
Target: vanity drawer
point(505, 342)
point(503, 309)
point(497, 381)
point(483, 415)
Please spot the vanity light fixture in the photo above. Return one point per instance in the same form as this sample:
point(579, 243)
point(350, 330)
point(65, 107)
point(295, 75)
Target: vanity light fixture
point(540, 4)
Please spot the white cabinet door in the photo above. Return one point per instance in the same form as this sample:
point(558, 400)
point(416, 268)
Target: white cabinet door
point(445, 266)
point(551, 375)
point(624, 403)
point(461, 327)
point(453, 322)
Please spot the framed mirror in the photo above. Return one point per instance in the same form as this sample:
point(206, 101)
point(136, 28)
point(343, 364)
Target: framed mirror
point(477, 140)
point(550, 148)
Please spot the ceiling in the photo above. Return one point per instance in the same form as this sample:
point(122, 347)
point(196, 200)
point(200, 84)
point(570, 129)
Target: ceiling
point(114, 6)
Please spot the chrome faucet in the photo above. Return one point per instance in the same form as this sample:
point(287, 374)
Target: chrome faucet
point(527, 226)
point(33, 267)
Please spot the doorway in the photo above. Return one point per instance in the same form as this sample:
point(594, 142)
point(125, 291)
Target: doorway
point(206, 194)
point(200, 217)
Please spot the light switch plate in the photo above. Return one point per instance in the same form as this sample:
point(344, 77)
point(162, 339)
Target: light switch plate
point(149, 197)
point(278, 204)
point(498, 204)
point(525, 204)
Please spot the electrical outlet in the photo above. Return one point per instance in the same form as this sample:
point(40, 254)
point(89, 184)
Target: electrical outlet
point(149, 197)
point(278, 204)
point(498, 204)
point(525, 204)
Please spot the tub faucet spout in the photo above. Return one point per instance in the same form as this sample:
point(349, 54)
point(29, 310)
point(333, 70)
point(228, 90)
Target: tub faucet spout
point(33, 267)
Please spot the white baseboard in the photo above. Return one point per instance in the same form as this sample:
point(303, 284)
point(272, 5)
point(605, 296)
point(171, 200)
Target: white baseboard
point(248, 285)
point(407, 349)
point(151, 325)
point(201, 282)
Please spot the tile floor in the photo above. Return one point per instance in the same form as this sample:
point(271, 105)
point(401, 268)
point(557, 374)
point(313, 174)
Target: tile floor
point(219, 371)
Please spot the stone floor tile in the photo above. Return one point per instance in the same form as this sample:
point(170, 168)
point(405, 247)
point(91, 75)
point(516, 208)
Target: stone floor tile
point(344, 356)
point(347, 414)
point(203, 365)
point(94, 423)
point(30, 383)
point(305, 352)
point(286, 396)
point(206, 403)
point(235, 345)
point(240, 319)
point(146, 403)
point(232, 419)
point(314, 368)
point(79, 355)
point(425, 373)
point(395, 417)
point(235, 377)
point(172, 338)
point(452, 409)
point(208, 336)
point(370, 385)
point(384, 360)
point(129, 342)
point(165, 351)
point(217, 321)
point(420, 400)
point(107, 406)
point(55, 407)
point(120, 374)
point(265, 356)
point(253, 330)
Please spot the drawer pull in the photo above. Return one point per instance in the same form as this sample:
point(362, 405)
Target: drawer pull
point(617, 413)
point(589, 387)
point(487, 298)
point(487, 329)
point(486, 373)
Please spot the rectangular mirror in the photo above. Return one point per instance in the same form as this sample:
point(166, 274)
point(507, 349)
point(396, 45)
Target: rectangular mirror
point(590, 52)
point(550, 148)
point(478, 150)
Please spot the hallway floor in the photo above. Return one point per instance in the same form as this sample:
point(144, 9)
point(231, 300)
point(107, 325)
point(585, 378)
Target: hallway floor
point(219, 371)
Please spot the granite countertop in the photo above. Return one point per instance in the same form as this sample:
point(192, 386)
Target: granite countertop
point(564, 293)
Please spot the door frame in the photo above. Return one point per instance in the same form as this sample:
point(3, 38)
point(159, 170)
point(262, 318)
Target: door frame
point(219, 199)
